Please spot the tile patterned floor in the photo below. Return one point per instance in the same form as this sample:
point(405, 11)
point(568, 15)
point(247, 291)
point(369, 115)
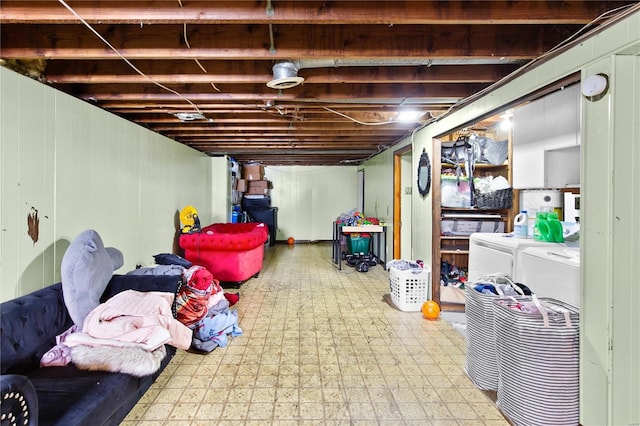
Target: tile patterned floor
point(321, 347)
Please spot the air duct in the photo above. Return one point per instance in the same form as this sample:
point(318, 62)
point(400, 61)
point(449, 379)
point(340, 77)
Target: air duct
point(285, 73)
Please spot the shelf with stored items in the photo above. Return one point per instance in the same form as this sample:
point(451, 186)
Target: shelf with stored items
point(460, 209)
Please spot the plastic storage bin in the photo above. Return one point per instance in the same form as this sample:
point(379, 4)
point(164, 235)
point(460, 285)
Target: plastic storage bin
point(454, 191)
point(358, 245)
point(409, 288)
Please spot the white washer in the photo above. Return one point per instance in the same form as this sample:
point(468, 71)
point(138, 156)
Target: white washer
point(491, 253)
point(551, 272)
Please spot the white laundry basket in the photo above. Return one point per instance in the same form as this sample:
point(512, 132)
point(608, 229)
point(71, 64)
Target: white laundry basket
point(409, 288)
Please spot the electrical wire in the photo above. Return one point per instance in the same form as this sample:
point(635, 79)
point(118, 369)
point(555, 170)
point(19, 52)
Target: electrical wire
point(186, 41)
point(375, 123)
point(433, 119)
point(515, 73)
point(495, 84)
point(528, 65)
point(482, 92)
point(70, 9)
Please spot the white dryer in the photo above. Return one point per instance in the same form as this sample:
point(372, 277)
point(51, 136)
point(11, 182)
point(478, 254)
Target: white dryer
point(551, 272)
point(491, 253)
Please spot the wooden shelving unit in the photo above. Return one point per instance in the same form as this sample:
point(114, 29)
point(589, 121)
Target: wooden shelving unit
point(455, 248)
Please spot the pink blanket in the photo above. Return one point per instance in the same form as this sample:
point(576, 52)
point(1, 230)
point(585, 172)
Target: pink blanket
point(138, 317)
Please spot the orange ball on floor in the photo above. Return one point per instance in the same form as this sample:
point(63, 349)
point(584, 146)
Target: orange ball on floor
point(430, 310)
point(291, 241)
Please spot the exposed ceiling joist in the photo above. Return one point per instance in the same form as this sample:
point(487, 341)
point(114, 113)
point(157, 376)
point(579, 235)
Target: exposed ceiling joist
point(311, 12)
point(197, 71)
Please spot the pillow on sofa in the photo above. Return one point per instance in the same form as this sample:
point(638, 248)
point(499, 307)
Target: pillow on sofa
point(172, 259)
point(87, 267)
point(161, 283)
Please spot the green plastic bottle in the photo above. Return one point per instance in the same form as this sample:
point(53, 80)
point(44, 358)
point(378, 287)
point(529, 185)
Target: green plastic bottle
point(555, 228)
point(541, 230)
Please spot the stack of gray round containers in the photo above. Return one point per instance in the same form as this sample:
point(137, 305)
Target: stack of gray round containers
point(481, 364)
point(538, 360)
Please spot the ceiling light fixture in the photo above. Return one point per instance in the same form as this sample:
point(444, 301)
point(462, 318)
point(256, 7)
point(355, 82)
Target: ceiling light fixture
point(505, 122)
point(189, 116)
point(409, 116)
point(594, 86)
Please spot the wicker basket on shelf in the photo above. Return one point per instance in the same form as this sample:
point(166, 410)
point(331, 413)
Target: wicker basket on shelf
point(496, 200)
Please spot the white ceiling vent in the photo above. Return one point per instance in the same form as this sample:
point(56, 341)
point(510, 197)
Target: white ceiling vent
point(285, 75)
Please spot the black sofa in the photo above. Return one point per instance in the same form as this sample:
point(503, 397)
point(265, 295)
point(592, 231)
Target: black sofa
point(64, 395)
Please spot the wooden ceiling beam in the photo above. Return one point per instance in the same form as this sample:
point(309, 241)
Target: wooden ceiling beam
point(265, 139)
point(294, 126)
point(307, 12)
point(323, 144)
point(280, 159)
point(216, 58)
point(365, 139)
point(320, 139)
point(269, 137)
point(389, 94)
point(101, 72)
point(263, 117)
point(166, 42)
point(270, 113)
point(249, 108)
point(284, 150)
point(282, 134)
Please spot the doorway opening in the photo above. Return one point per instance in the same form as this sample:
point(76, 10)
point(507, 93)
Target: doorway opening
point(402, 190)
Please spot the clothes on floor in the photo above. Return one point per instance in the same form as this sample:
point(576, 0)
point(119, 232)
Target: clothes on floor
point(192, 299)
point(216, 327)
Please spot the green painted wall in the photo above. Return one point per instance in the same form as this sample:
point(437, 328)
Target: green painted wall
point(310, 198)
point(80, 168)
point(610, 323)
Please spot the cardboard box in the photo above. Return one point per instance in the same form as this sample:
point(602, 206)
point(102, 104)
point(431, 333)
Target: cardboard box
point(259, 187)
point(241, 185)
point(253, 172)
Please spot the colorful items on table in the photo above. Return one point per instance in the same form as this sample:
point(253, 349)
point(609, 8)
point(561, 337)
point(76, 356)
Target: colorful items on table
point(356, 218)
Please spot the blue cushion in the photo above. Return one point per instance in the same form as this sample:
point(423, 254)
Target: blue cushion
point(172, 259)
point(120, 283)
point(87, 267)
